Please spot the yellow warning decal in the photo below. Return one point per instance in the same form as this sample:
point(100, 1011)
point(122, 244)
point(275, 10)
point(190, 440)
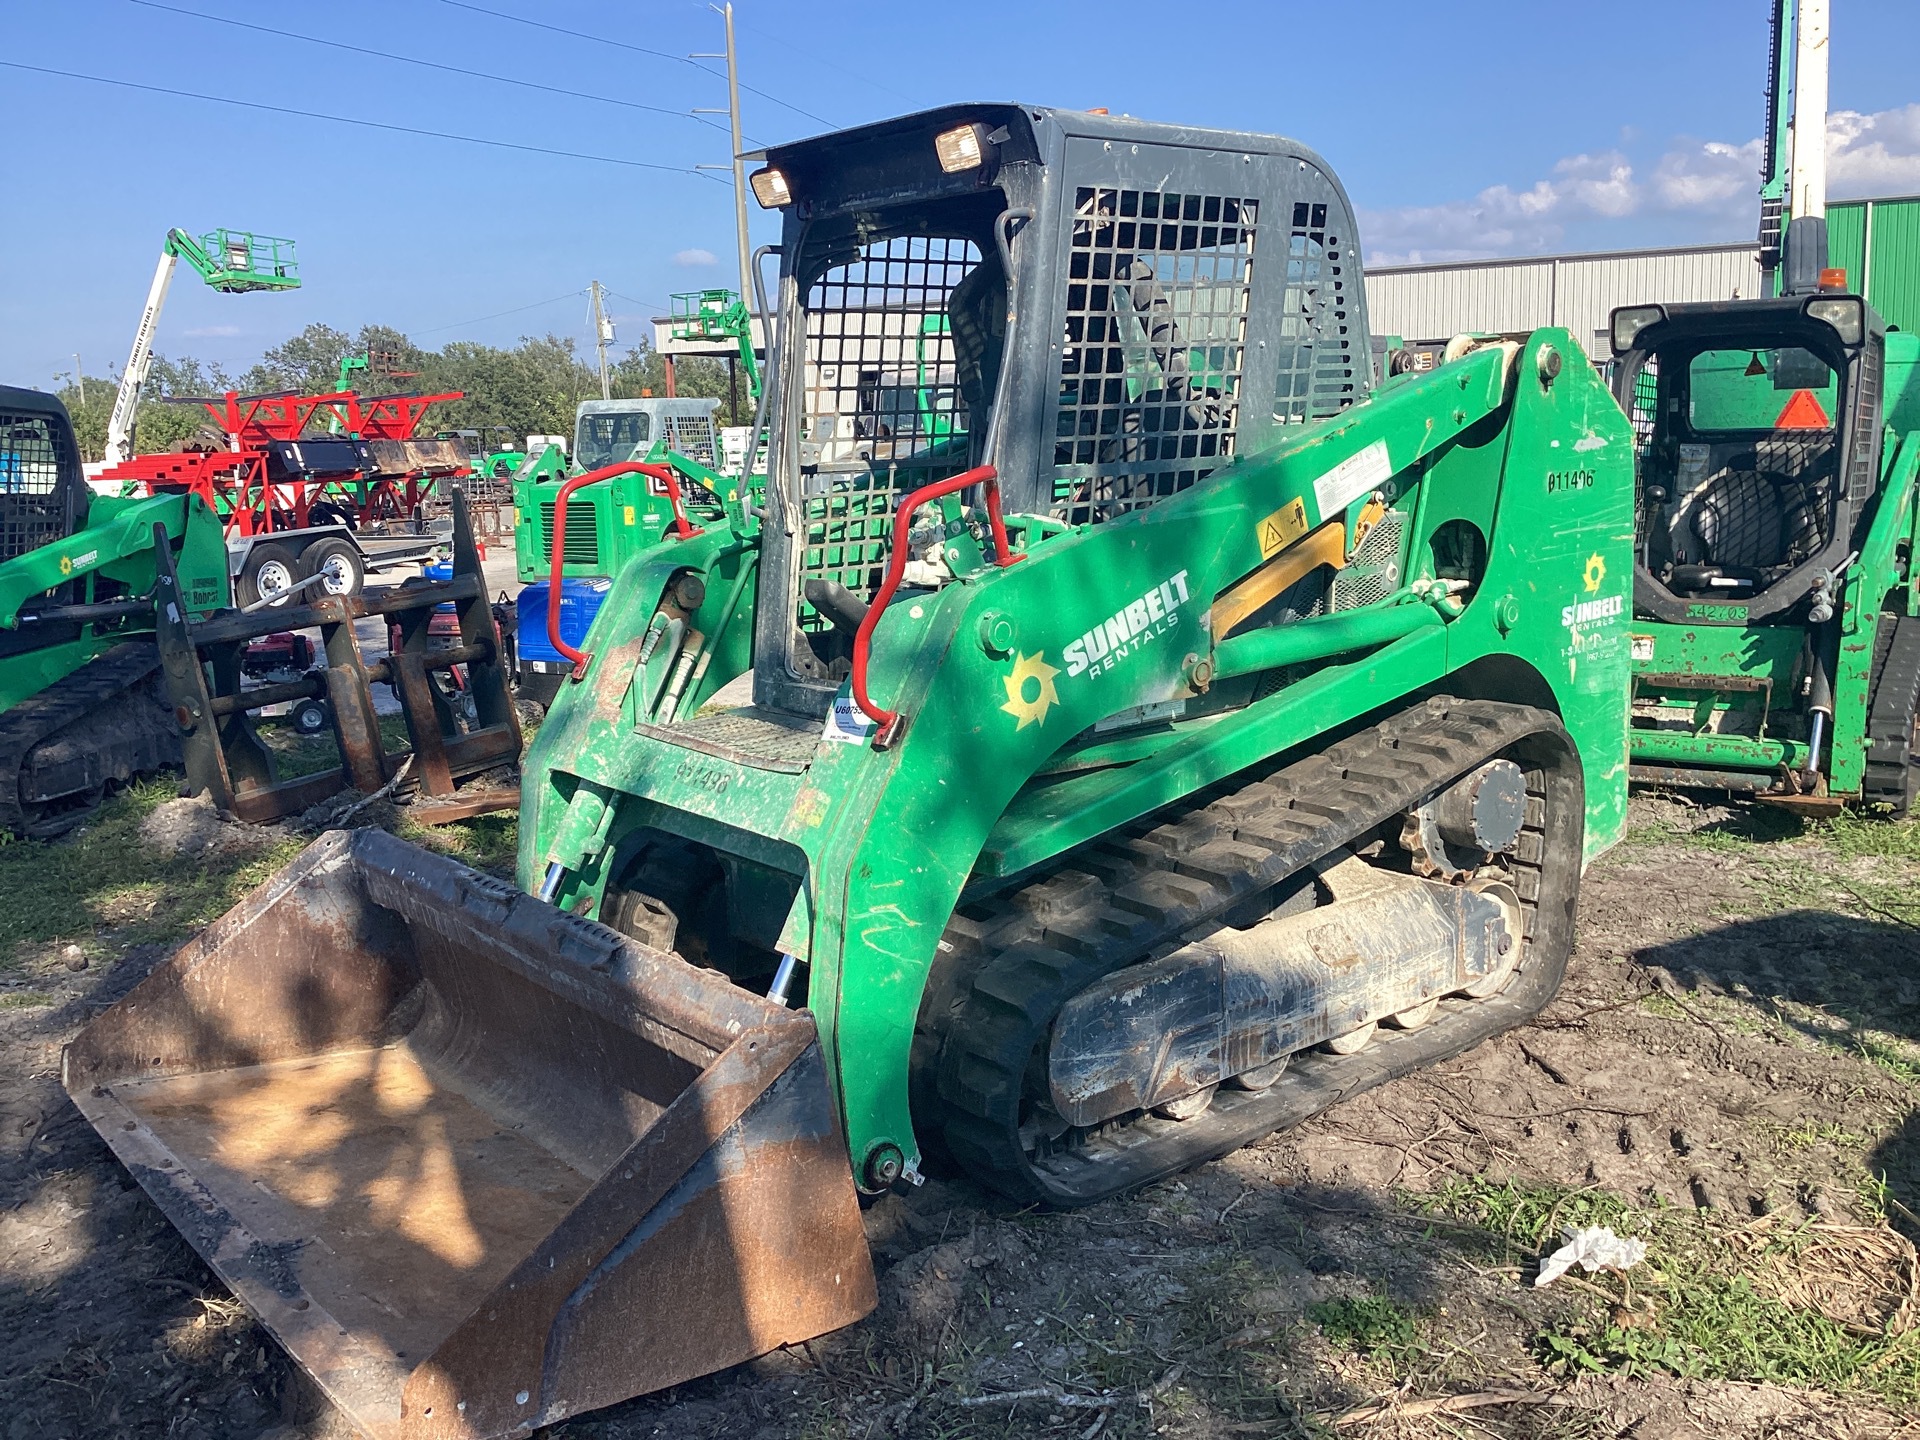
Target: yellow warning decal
point(629, 516)
point(1282, 528)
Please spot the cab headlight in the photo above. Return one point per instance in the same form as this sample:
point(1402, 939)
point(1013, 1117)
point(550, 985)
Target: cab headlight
point(770, 188)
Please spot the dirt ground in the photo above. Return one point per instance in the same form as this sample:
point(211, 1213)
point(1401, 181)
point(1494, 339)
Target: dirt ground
point(1732, 1073)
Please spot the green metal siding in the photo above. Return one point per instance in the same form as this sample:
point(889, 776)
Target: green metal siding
point(1893, 277)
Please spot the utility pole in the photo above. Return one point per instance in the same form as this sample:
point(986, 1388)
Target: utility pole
point(602, 337)
point(80, 377)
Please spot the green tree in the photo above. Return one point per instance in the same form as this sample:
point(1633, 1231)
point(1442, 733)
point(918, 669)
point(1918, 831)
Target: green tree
point(166, 418)
point(308, 362)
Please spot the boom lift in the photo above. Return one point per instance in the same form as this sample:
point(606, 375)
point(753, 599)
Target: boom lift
point(1776, 629)
point(231, 261)
point(1187, 740)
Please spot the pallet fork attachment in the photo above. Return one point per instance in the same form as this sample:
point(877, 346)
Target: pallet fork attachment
point(478, 1164)
point(226, 759)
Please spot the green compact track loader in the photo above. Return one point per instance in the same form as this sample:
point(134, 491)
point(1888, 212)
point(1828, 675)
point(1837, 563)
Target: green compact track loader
point(1776, 620)
point(82, 703)
point(1175, 736)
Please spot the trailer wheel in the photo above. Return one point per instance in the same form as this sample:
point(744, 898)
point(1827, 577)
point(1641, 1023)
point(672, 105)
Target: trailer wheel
point(342, 565)
point(310, 717)
point(270, 570)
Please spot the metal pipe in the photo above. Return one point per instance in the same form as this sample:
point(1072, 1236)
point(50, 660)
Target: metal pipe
point(310, 688)
point(1321, 638)
point(747, 567)
point(550, 882)
point(287, 594)
point(675, 637)
point(1733, 752)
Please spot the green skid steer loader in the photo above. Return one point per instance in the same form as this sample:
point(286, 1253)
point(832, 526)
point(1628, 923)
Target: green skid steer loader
point(1776, 624)
point(83, 706)
point(1178, 737)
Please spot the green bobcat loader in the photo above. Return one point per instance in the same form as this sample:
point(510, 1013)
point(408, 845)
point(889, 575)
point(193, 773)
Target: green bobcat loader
point(1776, 623)
point(1141, 757)
point(83, 706)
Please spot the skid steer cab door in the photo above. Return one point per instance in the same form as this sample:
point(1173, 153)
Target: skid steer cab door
point(1757, 445)
point(478, 1164)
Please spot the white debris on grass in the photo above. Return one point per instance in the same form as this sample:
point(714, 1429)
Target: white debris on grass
point(1594, 1248)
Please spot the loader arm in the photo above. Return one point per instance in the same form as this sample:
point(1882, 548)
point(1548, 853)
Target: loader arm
point(117, 541)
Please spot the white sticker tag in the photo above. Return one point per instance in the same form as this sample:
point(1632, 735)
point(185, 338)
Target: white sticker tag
point(1351, 478)
point(847, 723)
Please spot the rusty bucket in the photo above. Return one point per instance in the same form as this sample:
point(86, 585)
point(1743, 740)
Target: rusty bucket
point(479, 1165)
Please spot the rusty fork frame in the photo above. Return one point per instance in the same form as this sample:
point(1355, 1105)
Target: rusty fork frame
point(225, 757)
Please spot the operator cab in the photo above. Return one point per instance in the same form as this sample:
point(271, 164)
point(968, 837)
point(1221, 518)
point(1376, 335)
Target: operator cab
point(1103, 309)
point(1756, 427)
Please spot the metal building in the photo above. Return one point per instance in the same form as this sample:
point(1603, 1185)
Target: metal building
point(1432, 302)
point(1876, 241)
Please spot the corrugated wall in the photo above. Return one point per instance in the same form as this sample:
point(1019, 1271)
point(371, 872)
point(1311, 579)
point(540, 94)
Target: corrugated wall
point(1892, 276)
point(1433, 302)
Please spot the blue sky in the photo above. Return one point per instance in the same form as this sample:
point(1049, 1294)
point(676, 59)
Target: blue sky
point(1467, 128)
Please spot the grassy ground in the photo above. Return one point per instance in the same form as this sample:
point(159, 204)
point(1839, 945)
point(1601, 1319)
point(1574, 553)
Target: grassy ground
point(1731, 1074)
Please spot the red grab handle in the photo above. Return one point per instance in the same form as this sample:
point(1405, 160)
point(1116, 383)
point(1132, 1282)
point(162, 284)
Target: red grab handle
point(896, 567)
point(557, 541)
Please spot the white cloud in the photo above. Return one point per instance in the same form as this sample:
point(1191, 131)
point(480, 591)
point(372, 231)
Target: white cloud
point(211, 332)
point(692, 258)
point(1873, 154)
point(1502, 220)
point(1876, 154)
point(1710, 176)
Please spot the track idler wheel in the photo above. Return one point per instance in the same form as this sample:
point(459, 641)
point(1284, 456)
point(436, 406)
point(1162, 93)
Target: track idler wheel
point(1188, 1106)
point(1354, 1041)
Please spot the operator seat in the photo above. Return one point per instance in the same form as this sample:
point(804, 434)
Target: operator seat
point(1767, 504)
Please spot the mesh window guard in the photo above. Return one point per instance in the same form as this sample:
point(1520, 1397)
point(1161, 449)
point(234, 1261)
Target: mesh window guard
point(1157, 292)
point(32, 457)
point(1315, 372)
point(692, 436)
point(883, 409)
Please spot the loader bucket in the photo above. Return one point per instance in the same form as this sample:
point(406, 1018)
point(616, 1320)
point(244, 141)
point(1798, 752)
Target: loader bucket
point(478, 1164)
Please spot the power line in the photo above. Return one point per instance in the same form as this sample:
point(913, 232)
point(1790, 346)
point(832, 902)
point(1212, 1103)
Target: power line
point(652, 305)
point(489, 77)
point(818, 59)
point(478, 319)
point(637, 49)
point(366, 124)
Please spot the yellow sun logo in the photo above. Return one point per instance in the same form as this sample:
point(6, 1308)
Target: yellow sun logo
point(1030, 692)
point(66, 565)
point(1596, 572)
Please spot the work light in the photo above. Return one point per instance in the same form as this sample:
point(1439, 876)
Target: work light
point(962, 148)
point(770, 188)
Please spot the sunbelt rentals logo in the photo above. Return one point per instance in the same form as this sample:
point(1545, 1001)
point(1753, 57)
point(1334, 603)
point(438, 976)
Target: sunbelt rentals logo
point(1129, 628)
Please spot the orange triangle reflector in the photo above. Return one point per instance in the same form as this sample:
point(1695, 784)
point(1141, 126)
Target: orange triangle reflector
point(1802, 412)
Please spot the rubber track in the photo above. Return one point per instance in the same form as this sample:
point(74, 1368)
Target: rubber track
point(99, 683)
point(1890, 778)
point(1008, 964)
